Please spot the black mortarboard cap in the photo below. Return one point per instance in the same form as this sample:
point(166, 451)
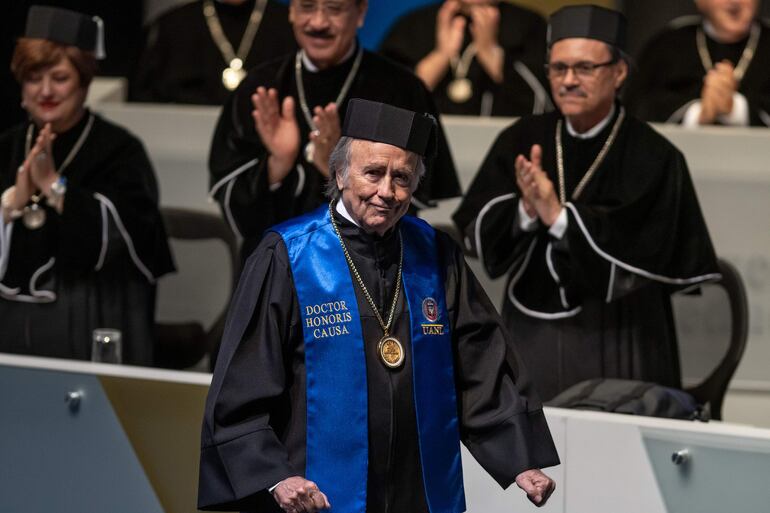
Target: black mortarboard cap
point(66, 27)
point(380, 122)
point(588, 21)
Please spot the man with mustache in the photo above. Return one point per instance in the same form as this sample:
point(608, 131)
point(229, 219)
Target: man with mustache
point(711, 70)
point(269, 156)
point(478, 57)
point(360, 351)
point(594, 216)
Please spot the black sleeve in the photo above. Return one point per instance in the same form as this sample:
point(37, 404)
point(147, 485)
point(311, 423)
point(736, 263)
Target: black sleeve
point(501, 417)
point(488, 215)
point(241, 453)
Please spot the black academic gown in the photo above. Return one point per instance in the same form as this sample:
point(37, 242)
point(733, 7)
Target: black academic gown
point(522, 38)
point(670, 75)
point(255, 421)
point(181, 63)
point(596, 302)
point(93, 266)
point(238, 159)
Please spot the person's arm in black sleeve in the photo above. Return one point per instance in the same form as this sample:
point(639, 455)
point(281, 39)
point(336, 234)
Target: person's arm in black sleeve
point(242, 456)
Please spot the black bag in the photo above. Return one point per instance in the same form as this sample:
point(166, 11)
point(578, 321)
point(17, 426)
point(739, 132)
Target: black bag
point(631, 397)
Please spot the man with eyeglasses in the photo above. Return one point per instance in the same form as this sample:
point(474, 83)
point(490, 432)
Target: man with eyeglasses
point(706, 70)
point(593, 215)
point(269, 155)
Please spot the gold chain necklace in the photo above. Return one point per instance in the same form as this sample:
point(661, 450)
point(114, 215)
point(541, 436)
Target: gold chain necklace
point(234, 72)
point(594, 166)
point(743, 62)
point(390, 349)
point(310, 146)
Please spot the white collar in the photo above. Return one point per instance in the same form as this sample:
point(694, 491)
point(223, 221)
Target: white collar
point(308, 64)
point(711, 32)
point(593, 131)
point(341, 210)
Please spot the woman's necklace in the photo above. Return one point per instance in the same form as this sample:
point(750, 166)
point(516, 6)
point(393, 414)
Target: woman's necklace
point(234, 72)
point(309, 151)
point(389, 347)
point(594, 166)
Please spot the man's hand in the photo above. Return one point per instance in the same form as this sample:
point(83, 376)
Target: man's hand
point(537, 486)
point(297, 494)
point(278, 129)
point(325, 136)
point(536, 188)
point(485, 23)
point(719, 85)
point(450, 30)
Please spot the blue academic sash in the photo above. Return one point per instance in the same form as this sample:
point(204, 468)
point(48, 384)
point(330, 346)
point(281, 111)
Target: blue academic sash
point(335, 364)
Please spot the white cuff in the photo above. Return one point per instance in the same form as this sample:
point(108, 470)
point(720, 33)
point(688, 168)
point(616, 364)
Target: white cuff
point(526, 222)
point(559, 226)
point(739, 116)
point(691, 118)
point(274, 187)
point(274, 486)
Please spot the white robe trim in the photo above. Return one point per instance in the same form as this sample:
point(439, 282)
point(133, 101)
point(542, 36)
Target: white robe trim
point(124, 233)
point(231, 176)
point(480, 219)
point(542, 102)
point(36, 296)
point(633, 269)
point(528, 311)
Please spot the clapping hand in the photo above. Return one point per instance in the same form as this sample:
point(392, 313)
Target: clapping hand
point(450, 30)
point(719, 85)
point(42, 171)
point(278, 129)
point(325, 136)
point(537, 192)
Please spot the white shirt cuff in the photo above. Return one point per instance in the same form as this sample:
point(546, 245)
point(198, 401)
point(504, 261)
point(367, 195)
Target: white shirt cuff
point(691, 118)
point(526, 223)
point(274, 187)
point(739, 116)
point(559, 226)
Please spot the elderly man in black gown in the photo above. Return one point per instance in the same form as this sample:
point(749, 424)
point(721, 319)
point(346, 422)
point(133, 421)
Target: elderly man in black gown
point(360, 350)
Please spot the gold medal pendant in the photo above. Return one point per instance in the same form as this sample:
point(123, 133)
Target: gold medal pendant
point(34, 216)
point(233, 74)
point(309, 151)
point(391, 351)
point(460, 90)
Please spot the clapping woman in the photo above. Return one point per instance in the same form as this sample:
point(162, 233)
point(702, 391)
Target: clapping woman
point(81, 237)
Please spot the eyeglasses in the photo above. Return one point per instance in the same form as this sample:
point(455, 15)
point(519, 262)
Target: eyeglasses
point(332, 9)
point(584, 69)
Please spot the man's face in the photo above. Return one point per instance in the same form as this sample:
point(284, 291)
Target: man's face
point(326, 29)
point(580, 94)
point(731, 18)
point(379, 184)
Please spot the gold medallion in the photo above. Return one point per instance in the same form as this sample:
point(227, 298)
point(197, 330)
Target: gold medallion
point(391, 351)
point(34, 216)
point(233, 74)
point(460, 90)
point(310, 151)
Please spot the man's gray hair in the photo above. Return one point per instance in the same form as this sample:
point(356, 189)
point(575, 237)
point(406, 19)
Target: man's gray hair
point(339, 163)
